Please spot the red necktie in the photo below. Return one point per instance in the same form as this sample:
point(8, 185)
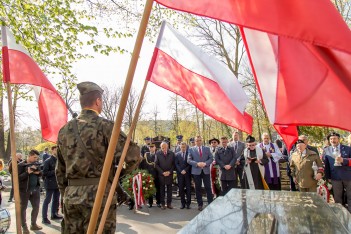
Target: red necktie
point(200, 151)
point(165, 153)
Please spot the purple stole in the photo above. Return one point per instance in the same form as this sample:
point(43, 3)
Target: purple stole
point(274, 167)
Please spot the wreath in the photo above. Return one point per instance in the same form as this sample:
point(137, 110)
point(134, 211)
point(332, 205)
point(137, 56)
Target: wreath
point(147, 181)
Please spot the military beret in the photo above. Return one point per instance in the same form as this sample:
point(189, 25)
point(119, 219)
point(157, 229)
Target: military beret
point(250, 139)
point(87, 87)
point(299, 141)
point(192, 139)
point(213, 139)
point(333, 134)
point(179, 137)
point(147, 138)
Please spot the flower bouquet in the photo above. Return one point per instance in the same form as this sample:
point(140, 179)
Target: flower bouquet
point(323, 190)
point(147, 184)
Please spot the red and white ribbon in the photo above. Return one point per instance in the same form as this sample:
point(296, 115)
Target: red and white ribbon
point(213, 180)
point(138, 190)
point(323, 191)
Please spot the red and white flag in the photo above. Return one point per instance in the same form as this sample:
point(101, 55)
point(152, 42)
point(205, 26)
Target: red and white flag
point(20, 68)
point(184, 69)
point(300, 52)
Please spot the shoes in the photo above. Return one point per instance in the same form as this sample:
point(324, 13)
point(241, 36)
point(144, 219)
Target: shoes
point(46, 221)
point(163, 207)
point(169, 206)
point(159, 205)
point(182, 207)
point(10, 200)
point(150, 205)
point(56, 216)
point(200, 208)
point(35, 227)
point(188, 207)
point(25, 230)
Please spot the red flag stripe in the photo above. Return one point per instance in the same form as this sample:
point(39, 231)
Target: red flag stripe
point(204, 93)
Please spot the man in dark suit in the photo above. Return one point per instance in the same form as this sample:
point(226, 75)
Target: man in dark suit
point(183, 175)
point(226, 158)
point(51, 188)
point(165, 166)
point(238, 147)
point(337, 161)
point(200, 159)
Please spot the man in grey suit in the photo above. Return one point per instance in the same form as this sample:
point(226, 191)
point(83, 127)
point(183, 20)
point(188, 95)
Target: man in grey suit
point(238, 147)
point(200, 159)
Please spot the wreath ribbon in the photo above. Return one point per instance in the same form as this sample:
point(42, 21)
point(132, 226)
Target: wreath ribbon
point(138, 190)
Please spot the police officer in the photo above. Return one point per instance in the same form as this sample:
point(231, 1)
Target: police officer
point(145, 147)
point(82, 146)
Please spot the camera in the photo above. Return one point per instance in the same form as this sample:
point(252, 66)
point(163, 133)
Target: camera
point(34, 166)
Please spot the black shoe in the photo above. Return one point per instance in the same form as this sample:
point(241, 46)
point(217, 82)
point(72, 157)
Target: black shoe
point(150, 205)
point(10, 200)
point(56, 216)
point(159, 205)
point(163, 207)
point(188, 207)
point(182, 207)
point(46, 221)
point(200, 208)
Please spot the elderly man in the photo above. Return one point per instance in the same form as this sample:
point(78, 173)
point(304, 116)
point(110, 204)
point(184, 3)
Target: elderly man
point(200, 159)
point(310, 147)
point(226, 158)
point(165, 166)
point(254, 159)
point(337, 160)
point(238, 147)
point(302, 171)
point(272, 172)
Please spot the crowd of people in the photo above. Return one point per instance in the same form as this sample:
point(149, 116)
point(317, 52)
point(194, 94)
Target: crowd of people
point(73, 169)
point(249, 165)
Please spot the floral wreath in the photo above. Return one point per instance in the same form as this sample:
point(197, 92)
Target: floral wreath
point(147, 181)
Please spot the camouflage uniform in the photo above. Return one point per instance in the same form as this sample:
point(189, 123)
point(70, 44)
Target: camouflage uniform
point(77, 175)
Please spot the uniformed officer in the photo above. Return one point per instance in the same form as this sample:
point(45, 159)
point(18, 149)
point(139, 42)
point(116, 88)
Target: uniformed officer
point(82, 146)
point(145, 147)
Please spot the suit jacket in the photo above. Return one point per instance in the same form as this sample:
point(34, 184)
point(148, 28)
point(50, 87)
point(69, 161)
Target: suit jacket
point(182, 164)
point(163, 164)
point(337, 172)
point(226, 157)
point(239, 151)
point(50, 181)
point(194, 158)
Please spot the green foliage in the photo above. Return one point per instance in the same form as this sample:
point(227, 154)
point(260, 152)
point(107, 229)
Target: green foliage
point(42, 146)
point(55, 31)
point(148, 183)
point(2, 173)
point(317, 134)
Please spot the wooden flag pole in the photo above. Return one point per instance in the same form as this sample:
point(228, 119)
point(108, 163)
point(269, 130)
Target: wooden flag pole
point(6, 75)
point(120, 164)
point(118, 122)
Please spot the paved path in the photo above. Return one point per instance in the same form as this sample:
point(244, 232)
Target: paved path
point(147, 220)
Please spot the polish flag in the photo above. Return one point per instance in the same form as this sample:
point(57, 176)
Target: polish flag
point(184, 69)
point(20, 68)
point(300, 53)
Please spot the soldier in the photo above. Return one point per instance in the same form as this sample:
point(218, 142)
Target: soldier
point(145, 147)
point(148, 163)
point(301, 167)
point(82, 147)
point(179, 140)
point(192, 142)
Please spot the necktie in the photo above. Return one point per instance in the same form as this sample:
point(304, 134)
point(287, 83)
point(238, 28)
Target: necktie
point(165, 153)
point(200, 152)
point(183, 156)
point(235, 146)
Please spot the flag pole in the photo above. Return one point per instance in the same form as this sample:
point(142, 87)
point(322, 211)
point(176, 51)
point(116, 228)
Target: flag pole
point(6, 74)
point(120, 164)
point(118, 122)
